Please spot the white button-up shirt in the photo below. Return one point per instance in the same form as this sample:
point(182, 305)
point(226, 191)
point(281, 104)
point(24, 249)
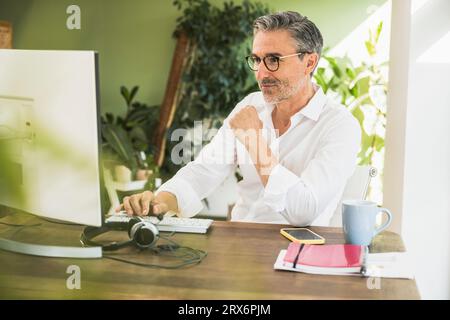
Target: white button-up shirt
point(316, 155)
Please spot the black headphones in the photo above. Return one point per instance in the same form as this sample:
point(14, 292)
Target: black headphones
point(142, 234)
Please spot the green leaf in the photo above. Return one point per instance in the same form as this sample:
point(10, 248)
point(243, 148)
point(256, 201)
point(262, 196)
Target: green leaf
point(335, 67)
point(319, 76)
point(109, 118)
point(350, 72)
point(370, 48)
point(125, 93)
point(118, 141)
point(378, 32)
point(133, 92)
point(379, 143)
point(355, 90)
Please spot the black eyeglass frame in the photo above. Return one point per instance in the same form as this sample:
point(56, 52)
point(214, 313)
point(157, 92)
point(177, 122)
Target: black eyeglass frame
point(250, 62)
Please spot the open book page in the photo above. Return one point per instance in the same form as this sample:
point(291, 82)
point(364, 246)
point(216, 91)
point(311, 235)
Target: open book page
point(389, 265)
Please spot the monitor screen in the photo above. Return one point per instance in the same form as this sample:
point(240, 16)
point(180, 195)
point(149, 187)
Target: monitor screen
point(49, 129)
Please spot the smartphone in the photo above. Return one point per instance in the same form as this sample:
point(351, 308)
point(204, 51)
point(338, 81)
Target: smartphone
point(302, 235)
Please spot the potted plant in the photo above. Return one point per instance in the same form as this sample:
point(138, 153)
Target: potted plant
point(363, 90)
point(126, 140)
point(119, 155)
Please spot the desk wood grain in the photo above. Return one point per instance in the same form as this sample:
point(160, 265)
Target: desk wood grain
point(239, 265)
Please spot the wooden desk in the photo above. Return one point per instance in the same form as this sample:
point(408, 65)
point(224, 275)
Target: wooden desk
point(239, 265)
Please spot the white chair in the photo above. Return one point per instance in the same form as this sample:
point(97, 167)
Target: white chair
point(356, 188)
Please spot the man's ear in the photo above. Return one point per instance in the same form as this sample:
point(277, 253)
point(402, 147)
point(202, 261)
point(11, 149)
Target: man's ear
point(311, 62)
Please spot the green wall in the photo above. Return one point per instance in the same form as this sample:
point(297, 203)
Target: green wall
point(134, 38)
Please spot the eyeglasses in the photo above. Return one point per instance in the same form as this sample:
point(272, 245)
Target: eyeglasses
point(271, 62)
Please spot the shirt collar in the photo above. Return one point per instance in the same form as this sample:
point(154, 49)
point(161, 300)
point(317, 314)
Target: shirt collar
point(315, 105)
point(312, 110)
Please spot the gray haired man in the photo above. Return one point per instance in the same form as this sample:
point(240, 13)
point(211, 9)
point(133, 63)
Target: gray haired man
point(295, 147)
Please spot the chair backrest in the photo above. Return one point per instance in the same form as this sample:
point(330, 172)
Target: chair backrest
point(356, 188)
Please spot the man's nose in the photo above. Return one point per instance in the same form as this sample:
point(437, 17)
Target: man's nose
point(262, 72)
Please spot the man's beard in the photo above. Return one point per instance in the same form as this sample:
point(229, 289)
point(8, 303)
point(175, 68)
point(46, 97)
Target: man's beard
point(279, 91)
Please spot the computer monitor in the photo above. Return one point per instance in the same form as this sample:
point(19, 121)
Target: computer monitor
point(49, 121)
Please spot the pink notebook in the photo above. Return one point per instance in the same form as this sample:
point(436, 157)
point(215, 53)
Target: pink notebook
point(325, 258)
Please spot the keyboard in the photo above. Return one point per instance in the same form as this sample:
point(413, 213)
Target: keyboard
point(188, 225)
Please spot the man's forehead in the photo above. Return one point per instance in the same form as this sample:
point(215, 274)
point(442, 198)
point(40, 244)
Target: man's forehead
point(277, 42)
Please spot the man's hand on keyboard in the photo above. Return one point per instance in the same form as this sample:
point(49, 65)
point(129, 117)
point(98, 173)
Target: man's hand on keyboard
point(143, 204)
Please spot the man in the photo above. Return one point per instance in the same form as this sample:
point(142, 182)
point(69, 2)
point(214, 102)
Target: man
point(295, 148)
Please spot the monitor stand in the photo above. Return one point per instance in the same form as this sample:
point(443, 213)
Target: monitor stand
point(50, 251)
point(45, 250)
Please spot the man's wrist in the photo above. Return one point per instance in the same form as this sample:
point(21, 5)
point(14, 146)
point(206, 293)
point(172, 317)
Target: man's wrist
point(168, 198)
point(262, 155)
point(266, 168)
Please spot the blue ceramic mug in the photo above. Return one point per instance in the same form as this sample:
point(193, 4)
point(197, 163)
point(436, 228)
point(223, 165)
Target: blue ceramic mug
point(359, 221)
